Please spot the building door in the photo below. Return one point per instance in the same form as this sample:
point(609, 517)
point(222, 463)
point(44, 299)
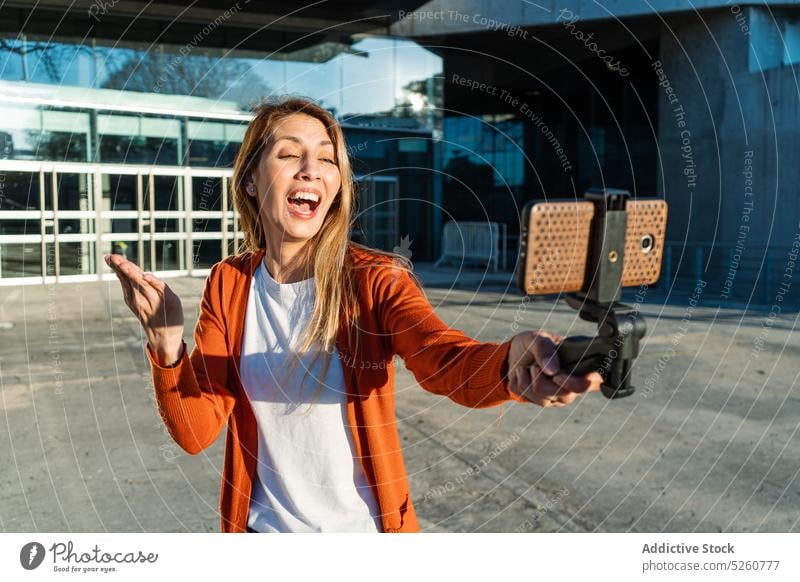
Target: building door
point(125, 216)
point(377, 221)
point(213, 224)
point(58, 220)
point(23, 216)
point(171, 221)
point(72, 254)
point(164, 202)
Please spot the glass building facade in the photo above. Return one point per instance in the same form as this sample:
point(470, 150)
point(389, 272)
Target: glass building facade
point(537, 135)
point(126, 147)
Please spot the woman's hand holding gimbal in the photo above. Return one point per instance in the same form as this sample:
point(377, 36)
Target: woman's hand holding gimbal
point(533, 371)
point(156, 307)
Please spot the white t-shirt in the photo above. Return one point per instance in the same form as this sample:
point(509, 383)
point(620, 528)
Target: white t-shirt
point(308, 477)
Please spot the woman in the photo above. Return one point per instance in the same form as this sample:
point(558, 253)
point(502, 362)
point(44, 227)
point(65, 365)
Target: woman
point(307, 319)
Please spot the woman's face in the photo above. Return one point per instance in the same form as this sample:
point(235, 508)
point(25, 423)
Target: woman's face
point(296, 179)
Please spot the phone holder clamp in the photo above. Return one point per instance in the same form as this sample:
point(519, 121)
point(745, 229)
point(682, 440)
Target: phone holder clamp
point(620, 327)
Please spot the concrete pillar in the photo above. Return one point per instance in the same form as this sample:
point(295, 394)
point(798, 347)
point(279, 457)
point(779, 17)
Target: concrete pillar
point(728, 135)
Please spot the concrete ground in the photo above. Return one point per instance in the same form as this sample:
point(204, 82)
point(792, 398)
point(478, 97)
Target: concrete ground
point(708, 443)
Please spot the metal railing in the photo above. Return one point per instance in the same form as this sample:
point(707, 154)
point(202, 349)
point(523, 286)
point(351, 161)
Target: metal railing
point(749, 274)
point(483, 242)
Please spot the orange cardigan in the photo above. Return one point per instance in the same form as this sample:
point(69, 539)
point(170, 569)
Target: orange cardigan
point(203, 391)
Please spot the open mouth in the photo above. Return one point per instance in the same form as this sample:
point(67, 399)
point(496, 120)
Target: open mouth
point(305, 202)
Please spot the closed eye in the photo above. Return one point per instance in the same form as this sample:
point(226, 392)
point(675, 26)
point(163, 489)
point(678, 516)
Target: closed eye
point(327, 160)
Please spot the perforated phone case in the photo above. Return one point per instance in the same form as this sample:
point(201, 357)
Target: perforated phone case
point(647, 219)
point(555, 244)
point(555, 252)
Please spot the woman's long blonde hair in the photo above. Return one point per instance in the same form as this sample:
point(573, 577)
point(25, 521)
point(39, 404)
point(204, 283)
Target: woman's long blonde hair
point(333, 269)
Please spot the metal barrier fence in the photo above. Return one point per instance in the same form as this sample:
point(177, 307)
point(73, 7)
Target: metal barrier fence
point(483, 242)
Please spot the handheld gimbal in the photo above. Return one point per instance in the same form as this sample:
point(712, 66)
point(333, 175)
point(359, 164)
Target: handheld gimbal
point(620, 327)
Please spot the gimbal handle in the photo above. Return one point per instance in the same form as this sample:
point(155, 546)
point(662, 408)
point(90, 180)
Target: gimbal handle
point(611, 352)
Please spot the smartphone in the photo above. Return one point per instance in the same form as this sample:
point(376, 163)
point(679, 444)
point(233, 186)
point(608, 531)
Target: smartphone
point(554, 245)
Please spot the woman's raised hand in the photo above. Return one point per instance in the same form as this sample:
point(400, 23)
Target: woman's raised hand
point(156, 306)
point(533, 371)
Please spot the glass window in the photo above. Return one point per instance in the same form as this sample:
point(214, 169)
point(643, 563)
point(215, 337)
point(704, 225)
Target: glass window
point(205, 253)
point(169, 255)
point(214, 144)
point(138, 139)
point(391, 82)
point(368, 78)
point(377, 76)
point(76, 258)
point(475, 145)
point(47, 60)
point(76, 225)
point(162, 71)
point(206, 196)
point(119, 192)
point(168, 193)
point(320, 81)
point(20, 226)
point(30, 133)
point(20, 260)
point(130, 249)
point(791, 42)
point(74, 192)
point(20, 191)
point(419, 84)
